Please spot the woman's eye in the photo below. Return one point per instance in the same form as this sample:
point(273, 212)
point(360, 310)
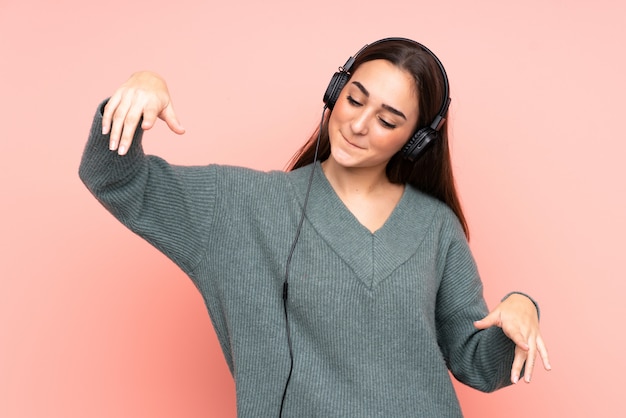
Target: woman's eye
point(352, 101)
point(387, 124)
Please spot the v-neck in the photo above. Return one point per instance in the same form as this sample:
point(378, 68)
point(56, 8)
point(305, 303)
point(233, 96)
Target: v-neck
point(373, 256)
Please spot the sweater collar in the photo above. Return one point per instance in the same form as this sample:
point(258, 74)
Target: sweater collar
point(371, 256)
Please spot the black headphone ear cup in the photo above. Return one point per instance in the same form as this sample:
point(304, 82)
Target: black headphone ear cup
point(418, 143)
point(334, 88)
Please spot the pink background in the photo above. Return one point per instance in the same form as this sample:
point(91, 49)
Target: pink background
point(96, 323)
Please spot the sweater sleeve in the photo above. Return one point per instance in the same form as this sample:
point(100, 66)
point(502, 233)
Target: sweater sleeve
point(481, 359)
point(169, 206)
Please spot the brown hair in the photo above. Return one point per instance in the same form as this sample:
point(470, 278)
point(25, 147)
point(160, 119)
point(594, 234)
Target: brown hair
point(431, 173)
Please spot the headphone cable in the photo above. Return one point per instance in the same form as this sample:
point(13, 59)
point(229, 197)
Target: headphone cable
point(288, 264)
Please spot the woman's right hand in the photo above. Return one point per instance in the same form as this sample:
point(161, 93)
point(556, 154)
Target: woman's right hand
point(144, 94)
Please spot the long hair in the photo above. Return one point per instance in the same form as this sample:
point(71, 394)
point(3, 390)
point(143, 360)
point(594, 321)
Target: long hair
point(431, 173)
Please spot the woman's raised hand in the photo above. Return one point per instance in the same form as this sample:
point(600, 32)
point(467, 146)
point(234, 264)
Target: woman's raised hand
point(143, 95)
point(518, 318)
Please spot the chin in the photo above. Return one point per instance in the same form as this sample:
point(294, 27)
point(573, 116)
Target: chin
point(343, 159)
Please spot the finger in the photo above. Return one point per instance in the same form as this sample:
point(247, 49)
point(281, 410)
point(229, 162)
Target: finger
point(493, 319)
point(543, 352)
point(530, 363)
point(150, 115)
point(131, 121)
point(519, 340)
point(169, 116)
point(109, 110)
point(117, 123)
point(518, 364)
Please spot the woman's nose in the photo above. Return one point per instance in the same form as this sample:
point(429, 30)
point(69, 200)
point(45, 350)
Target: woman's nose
point(360, 122)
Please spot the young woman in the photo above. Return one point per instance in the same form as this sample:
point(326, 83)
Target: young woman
point(344, 287)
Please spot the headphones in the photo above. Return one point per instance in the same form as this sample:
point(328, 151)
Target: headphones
point(423, 137)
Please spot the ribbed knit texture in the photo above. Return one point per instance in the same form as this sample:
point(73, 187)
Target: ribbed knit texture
point(376, 319)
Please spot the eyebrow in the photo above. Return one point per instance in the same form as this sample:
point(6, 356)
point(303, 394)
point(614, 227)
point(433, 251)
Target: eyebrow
point(386, 107)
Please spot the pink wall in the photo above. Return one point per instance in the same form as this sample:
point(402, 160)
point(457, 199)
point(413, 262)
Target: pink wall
point(95, 323)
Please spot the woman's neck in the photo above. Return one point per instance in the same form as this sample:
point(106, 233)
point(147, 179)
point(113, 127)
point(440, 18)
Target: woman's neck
point(366, 192)
point(349, 181)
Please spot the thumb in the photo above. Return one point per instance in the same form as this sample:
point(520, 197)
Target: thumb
point(169, 116)
point(493, 319)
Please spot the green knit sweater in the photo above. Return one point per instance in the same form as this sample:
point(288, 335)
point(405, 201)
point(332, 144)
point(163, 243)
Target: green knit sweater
point(376, 319)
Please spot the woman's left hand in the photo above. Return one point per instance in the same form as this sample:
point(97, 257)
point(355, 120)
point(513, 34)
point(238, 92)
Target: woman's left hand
point(518, 318)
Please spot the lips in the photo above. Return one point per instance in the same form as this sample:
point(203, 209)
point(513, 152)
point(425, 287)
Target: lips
point(352, 144)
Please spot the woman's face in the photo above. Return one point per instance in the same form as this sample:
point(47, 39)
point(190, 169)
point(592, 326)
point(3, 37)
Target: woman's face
point(374, 116)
